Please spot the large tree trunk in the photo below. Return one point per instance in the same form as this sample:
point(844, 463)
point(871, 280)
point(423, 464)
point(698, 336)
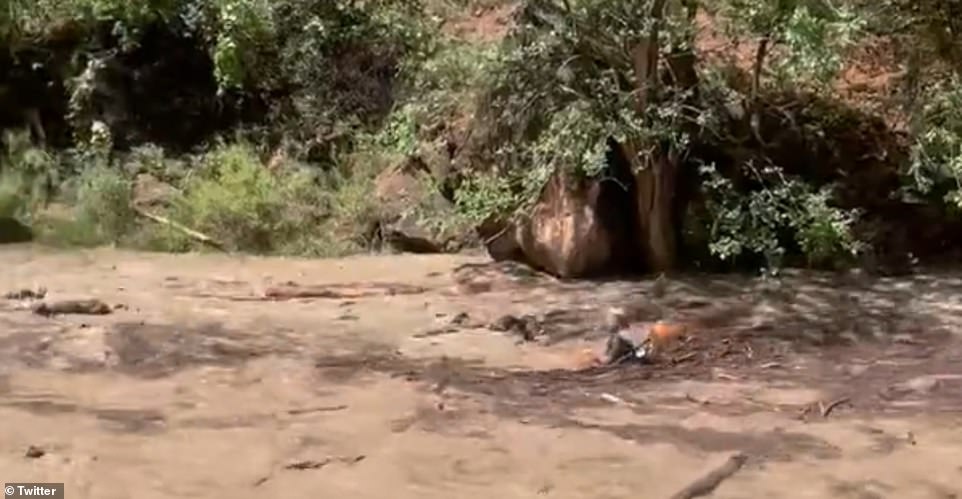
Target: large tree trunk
point(657, 166)
point(656, 184)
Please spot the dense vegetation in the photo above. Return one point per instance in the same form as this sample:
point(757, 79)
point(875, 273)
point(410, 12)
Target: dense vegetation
point(264, 124)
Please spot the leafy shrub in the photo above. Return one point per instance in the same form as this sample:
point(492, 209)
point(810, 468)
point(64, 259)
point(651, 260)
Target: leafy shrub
point(485, 195)
point(104, 204)
point(13, 199)
point(234, 199)
point(153, 160)
point(936, 159)
point(320, 65)
point(97, 210)
point(439, 89)
point(354, 210)
point(756, 224)
point(27, 174)
point(337, 65)
point(804, 40)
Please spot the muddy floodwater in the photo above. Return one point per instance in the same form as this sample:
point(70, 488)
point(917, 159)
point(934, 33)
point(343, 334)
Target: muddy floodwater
point(386, 378)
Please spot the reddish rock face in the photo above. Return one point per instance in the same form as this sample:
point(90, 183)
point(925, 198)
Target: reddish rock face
point(571, 232)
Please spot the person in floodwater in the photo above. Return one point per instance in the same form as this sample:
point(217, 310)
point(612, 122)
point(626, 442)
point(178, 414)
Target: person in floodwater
point(644, 342)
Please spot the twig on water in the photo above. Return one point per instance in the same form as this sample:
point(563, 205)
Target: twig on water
point(827, 409)
point(708, 483)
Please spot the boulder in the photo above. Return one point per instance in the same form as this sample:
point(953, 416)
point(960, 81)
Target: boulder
point(500, 239)
point(414, 216)
point(149, 192)
point(563, 233)
point(408, 234)
point(578, 228)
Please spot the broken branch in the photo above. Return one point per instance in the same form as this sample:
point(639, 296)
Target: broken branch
point(708, 483)
point(193, 234)
point(831, 407)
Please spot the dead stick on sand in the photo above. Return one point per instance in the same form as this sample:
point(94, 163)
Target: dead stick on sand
point(708, 483)
point(193, 234)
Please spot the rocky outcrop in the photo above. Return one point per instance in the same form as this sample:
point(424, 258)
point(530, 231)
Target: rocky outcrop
point(564, 233)
point(578, 228)
point(150, 192)
point(415, 218)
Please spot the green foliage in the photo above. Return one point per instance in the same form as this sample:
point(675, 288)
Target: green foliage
point(226, 193)
point(927, 35)
point(936, 160)
point(152, 159)
point(26, 173)
point(815, 41)
point(574, 140)
point(98, 209)
point(103, 204)
point(237, 201)
point(322, 65)
point(357, 85)
point(757, 224)
point(314, 34)
point(824, 232)
point(452, 66)
point(444, 84)
point(354, 210)
point(929, 32)
point(30, 19)
point(294, 210)
point(399, 135)
point(484, 195)
point(235, 26)
point(565, 84)
point(14, 203)
point(440, 88)
point(440, 91)
point(27, 176)
point(330, 69)
point(807, 37)
point(244, 24)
